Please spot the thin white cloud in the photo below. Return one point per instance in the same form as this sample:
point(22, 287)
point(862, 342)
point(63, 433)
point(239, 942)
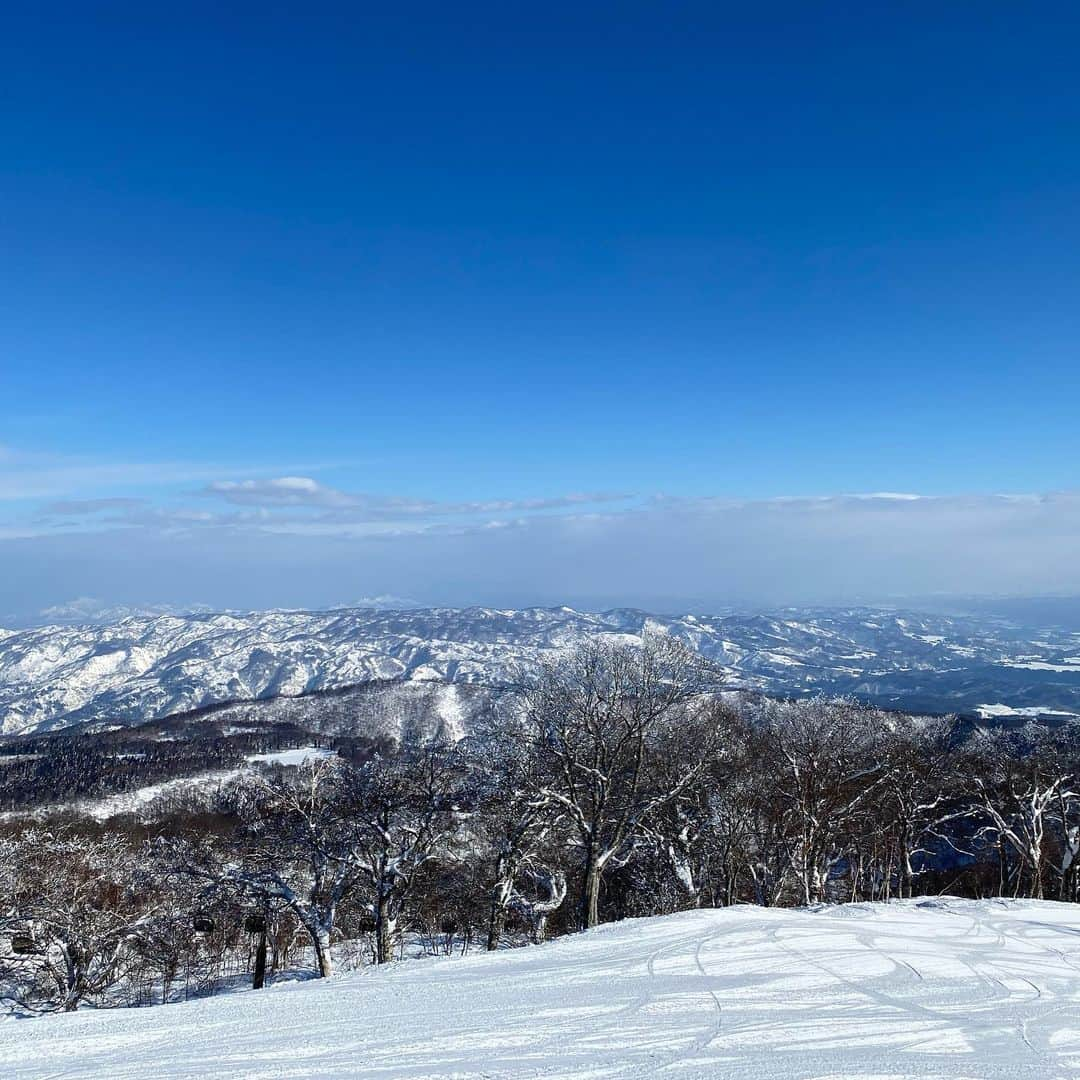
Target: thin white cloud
point(280, 491)
point(354, 507)
point(79, 507)
point(26, 474)
point(46, 476)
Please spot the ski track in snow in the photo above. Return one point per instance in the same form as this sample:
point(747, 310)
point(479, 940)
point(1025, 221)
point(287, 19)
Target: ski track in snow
point(984, 990)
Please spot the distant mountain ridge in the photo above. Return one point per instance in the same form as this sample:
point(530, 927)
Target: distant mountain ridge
point(144, 667)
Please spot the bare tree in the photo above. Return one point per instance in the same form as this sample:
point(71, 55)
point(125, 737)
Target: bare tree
point(685, 829)
point(513, 821)
point(600, 716)
point(916, 792)
point(1018, 785)
point(824, 766)
point(294, 848)
point(74, 907)
point(401, 813)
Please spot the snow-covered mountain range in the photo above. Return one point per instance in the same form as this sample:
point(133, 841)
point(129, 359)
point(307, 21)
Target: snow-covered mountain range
point(142, 667)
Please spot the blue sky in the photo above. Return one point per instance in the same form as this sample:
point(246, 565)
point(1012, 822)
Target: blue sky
point(298, 306)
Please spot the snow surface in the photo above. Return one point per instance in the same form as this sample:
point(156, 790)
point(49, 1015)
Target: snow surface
point(923, 988)
point(1067, 668)
point(300, 755)
point(130, 802)
point(136, 799)
point(1032, 711)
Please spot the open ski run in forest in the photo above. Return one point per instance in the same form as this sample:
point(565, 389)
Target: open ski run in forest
point(935, 987)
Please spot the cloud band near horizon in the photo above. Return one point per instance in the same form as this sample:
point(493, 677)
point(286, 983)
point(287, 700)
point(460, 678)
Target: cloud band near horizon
point(293, 541)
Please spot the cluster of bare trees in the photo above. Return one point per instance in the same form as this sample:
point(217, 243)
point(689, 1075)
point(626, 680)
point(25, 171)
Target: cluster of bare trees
point(625, 784)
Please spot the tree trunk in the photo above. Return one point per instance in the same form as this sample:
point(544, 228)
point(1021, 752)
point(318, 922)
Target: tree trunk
point(384, 934)
point(805, 873)
point(590, 901)
point(500, 896)
point(258, 980)
point(73, 964)
point(76, 993)
point(816, 885)
point(907, 873)
point(540, 928)
point(320, 938)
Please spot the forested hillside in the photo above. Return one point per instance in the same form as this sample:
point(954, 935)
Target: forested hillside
point(623, 782)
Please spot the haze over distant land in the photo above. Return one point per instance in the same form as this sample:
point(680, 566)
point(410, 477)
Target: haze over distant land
point(318, 547)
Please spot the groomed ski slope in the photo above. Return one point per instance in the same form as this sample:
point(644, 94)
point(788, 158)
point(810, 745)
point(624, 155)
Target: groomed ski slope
point(931, 988)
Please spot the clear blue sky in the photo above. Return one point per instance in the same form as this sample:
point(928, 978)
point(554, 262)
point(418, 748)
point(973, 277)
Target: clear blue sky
point(464, 253)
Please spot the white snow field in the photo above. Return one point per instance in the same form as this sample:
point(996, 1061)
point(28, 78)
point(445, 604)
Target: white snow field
point(923, 988)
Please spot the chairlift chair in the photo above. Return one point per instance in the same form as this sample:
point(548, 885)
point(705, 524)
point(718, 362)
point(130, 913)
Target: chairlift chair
point(24, 945)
